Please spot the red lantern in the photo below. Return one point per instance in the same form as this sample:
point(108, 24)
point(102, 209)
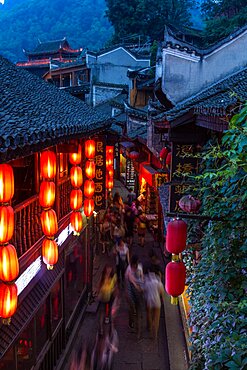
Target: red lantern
point(109, 183)
point(90, 149)
point(6, 223)
point(9, 265)
point(49, 253)
point(176, 236)
point(76, 199)
point(47, 194)
point(88, 207)
point(189, 204)
point(175, 279)
point(169, 159)
point(75, 158)
point(6, 183)
point(90, 169)
point(163, 153)
point(49, 223)
point(76, 176)
point(134, 155)
point(89, 188)
point(111, 172)
point(8, 301)
point(48, 165)
point(76, 221)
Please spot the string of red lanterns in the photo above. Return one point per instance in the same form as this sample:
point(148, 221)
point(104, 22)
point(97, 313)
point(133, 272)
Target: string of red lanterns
point(109, 167)
point(76, 179)
point(9, 264)
point(48, 215)
point(175, 271)
point(89, 186)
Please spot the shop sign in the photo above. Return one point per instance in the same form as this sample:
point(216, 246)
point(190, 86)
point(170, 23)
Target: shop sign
point(25, 278)
point(100, 173)
point(130, 173)
point(184, 164)
point(160, 179)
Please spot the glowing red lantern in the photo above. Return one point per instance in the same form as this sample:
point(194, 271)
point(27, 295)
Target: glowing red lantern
point(76, 199)
point(76, 176)
point(163, 153)
point(111, 172)
point(109, 183)
point(6, 183)
point(134, 155)
point(8, 301)
point(169, 159)
point(176, 236)
point(49, 253)
point(90, 149)
point(6, 223)
point(49, 222)
point(76, 221)
point(89, 188)
point(9, 265)
point(47, 194)
point(88, 207)
point(90, 169)
point(48, 165)
point(175, 279)
point(75, 158)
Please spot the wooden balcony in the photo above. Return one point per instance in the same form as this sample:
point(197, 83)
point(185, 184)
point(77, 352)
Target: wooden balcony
point(27, 217)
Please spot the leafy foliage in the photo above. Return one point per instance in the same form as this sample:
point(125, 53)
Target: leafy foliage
point(23, 22)
point(223, 17)
point(218, 284)
point(146, 17)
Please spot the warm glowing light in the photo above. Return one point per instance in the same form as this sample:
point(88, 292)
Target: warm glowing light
point(50, 253)
point(76, 221)
point(9, 265)
point(90, 149)
point(8, 301)
point(6, 183)
point(76, 199)
point(76, 176)
point(47, 194)
point(6, 223)
point(88, 207)
point(90, 169)
point(49, 222)
point(75, 158)
point(89, 188)
point(48, 165)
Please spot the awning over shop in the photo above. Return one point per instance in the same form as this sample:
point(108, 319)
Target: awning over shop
point(127, 144)
point(148, 173)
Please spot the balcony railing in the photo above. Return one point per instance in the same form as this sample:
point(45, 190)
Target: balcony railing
point(27, 218)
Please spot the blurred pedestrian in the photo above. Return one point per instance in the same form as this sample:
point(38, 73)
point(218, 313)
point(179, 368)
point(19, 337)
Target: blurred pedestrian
point(106, 233)
point(131, 197)
point(122, 261)
point(129, 220)
point(153, 292)
point(141, 221)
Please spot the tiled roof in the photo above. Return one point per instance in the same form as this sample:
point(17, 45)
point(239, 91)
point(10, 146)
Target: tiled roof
point(50, 47)
point(214, 100)
point(135, 54)
point(140, 132)
point(36, 114)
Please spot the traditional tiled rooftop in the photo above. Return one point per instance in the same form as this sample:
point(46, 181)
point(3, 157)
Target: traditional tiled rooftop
point(36, 114)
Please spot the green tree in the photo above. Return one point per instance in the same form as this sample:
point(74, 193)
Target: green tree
point(146, 17)
point(218, 284)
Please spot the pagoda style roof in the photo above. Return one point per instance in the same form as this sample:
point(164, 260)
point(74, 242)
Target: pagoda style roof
point(35, 114)
point(213, 101)
point(54, 46)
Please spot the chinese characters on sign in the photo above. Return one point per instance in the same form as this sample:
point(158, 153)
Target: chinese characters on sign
point(99, 180)
point(130, 173)
point(184, 164)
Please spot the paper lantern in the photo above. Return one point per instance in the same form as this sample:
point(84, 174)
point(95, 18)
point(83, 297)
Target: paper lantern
point(48, 165)
point(9, 265)
point(109, 183)
point(88, 207)
point(6, 183)
point(75, 158)
point(90, 169)
point(8, 301)
point(76, 221)
point(47, 194)
point(76, 199)
point(89, 188)
point(134, 155)
point(176, 236)
point(90, 149)
point(49, 253)
point(169, 159)
point(6, 223)
point(111, 172)
point(189, 204)
point(49, 222)
point(175, 279)
point(76, 176)
point(163, 153)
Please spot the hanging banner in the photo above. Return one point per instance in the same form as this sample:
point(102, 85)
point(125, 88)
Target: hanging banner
point(184, 164)
point(130, 173)
point(100, 174)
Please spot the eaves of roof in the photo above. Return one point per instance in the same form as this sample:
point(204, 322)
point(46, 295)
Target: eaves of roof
point(35, 114)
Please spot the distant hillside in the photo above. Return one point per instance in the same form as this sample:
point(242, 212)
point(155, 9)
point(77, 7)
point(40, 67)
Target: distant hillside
point(23, 22)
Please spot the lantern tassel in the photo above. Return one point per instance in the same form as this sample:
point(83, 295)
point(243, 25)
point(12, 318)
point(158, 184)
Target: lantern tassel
point(174, 301)
point(6, 321)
